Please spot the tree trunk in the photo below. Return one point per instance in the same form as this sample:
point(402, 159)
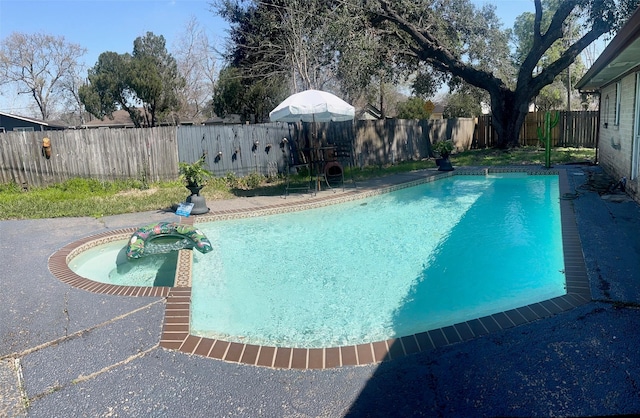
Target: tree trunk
point(508, 115)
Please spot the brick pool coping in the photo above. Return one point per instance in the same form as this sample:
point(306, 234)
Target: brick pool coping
point(176, 329)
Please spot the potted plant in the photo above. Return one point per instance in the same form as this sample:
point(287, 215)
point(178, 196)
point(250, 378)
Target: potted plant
point(443, 149)
point(195, 177)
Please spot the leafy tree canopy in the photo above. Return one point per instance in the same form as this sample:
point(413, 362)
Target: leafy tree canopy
point(287, 39)
point(149, 77)
point(350, 45)
point(108, 85)
point(413, 108)
point(228, 93)
point(551, 96)
point(459, 39)
point(462, 105)
point(249, 98)
point(302, 44)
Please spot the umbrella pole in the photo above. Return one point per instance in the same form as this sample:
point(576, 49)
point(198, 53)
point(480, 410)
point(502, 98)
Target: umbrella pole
point(316, 152)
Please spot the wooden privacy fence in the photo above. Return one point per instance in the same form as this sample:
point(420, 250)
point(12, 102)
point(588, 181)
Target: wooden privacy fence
point(152, 154)
point(574, 129)
point(238, 149)
point(391, 140)
point(104, 154)
point(243, 149)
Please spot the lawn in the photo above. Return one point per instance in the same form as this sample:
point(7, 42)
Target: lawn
point(89, 197)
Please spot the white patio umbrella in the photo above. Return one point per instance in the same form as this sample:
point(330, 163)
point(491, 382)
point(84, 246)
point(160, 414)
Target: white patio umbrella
point(312, 106)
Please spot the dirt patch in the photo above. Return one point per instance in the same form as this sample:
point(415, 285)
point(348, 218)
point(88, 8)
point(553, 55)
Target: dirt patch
point(138, 192)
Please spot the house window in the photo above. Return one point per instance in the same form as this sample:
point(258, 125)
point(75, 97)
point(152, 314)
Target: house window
point(616, 115)
point(24, 129)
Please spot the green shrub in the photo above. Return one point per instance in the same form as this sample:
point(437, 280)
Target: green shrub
point(443, 148)
point(253, 180)
point(232, 180)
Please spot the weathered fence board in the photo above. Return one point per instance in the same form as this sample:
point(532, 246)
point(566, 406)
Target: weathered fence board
point(104, 154)
point(574, 129)
point(459, 130)
point(390, 140)
point(238, 149)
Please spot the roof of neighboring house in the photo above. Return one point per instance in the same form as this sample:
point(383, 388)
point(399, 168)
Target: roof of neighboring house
point(369, 112)
point(618, 58)
point(51, 125)
point(231, 118)
point(121, 119)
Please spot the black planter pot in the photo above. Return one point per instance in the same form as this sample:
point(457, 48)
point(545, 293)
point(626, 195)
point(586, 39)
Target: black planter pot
point(444, 164)
point(199, 202)
point(195, 190)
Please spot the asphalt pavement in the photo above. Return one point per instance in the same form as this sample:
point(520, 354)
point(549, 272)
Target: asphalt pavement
point(65, 352)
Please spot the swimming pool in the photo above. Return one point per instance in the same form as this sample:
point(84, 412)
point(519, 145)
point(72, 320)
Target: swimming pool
point(108, 263)
point(401, 263)
point(177, 330)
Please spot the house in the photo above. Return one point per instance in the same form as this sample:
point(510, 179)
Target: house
point(10, 122)
point(121, 119)
point(369, 112)
point(438, 111)
point(229, 119)
point(615, 77)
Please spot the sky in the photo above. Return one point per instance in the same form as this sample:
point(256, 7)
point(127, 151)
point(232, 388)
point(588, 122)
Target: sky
point(507, 10)
point(113, 25)
point(107, 25)
point(103, 25)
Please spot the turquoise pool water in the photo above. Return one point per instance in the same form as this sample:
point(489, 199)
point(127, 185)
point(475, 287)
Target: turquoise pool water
point(393, 265)
point(107, 263)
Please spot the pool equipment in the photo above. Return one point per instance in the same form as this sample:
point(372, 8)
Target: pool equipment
point(141, 242)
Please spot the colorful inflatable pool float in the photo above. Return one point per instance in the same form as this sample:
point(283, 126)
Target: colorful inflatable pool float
point(140, 242)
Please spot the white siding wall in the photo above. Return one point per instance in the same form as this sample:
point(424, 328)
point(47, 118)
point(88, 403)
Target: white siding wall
point(616, 141)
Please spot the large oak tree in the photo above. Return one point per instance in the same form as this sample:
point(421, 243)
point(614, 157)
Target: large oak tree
point(367, 42)
point(438, 33)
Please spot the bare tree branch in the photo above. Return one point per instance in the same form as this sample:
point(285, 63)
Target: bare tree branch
point(38, 64)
